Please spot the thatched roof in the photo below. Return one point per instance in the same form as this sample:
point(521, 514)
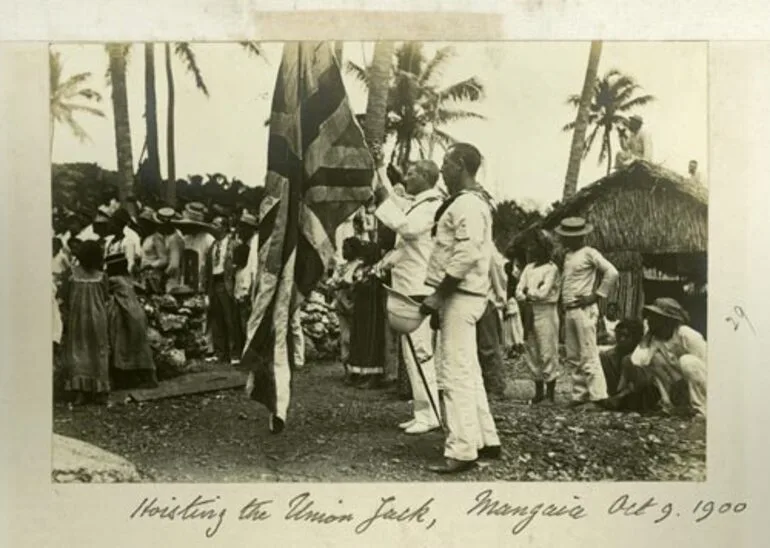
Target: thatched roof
point(642, 208)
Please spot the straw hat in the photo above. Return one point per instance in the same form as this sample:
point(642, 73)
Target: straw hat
point(148, 214)
point(167, 214)
point(404, 313)
point(573, 226)
point(194, 215)
point(668, 308)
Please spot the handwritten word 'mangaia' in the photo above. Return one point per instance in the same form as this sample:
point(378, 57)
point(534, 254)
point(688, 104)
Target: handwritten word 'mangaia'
point(487, 505)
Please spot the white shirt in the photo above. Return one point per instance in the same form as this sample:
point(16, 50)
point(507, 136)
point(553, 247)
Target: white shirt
point(498, 280)
point(130, 246)
point(412, 223)
point(242, 289)
point(580, 270)
point(463, 245)
point(685, 341)
point(88, 234)
point(252, 263)
point(541, 282)
point(219, 266)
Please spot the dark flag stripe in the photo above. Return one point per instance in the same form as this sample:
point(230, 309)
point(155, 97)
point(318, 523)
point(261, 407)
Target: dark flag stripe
point(319, 172)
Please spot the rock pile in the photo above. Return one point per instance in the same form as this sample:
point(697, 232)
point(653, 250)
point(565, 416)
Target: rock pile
point(76, 461)
point(176, 331)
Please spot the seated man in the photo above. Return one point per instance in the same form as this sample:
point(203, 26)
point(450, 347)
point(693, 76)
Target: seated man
point(628, 334)
point(669, 364)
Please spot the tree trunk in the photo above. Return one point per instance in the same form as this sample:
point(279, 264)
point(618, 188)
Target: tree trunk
point(581, 122)
point(338, 47)
point(122, 124)
point(377, 103)
point(171, 159)
point(608, 136)
point(151, 116)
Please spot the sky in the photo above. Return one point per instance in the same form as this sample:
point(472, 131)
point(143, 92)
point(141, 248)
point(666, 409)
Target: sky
point(527, 83)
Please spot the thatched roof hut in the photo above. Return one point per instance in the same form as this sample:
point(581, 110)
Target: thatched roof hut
point(644, 216)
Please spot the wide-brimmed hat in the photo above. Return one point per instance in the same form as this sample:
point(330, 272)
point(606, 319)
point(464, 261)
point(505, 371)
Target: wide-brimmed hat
point(636, 118)
point(167, 214)
point(404, 314)
point(194, 215)
point(249, 219)
point(573, 226)
point(668, 308)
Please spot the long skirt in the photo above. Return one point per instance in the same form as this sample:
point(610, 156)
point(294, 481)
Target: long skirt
point(367, 333)
point(86, 341)
point(543, 342)
point(130, 354)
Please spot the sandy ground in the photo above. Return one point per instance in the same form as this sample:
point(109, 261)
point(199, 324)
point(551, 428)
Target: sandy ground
point(339, 433)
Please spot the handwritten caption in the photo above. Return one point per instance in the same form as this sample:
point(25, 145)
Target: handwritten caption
point(738, 318)
point(304, 508)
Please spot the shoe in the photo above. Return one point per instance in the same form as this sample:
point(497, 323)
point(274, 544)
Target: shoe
point(490, 452)
point(235, 362)
point(420, 428)
point(407, 424)
point(453, 466)
point(550, 391)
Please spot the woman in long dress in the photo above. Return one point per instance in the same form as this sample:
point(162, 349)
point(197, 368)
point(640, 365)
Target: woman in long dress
point(130, 354)
point(366, 362)
point(86, 340)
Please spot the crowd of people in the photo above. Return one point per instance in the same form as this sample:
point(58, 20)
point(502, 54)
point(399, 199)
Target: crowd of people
point(432, 245)
point(103, 262)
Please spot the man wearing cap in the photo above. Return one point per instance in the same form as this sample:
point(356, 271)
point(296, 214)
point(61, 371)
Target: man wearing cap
point(670, 359)
point(197, 243)
point(637, 144)
point(583, 265)
point(408, 265)
point(224, 318)
point(174, 243)
point(458, 269)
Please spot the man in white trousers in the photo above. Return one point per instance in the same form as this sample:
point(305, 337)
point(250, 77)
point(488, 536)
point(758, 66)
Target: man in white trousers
point(459, 271)
point(412, 221)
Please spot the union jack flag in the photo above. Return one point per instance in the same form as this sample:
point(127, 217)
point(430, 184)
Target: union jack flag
point(319, 172)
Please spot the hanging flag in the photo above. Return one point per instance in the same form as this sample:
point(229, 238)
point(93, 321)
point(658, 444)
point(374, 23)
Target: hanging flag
point(319, 171)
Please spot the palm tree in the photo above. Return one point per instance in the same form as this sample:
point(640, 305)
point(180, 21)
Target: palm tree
point(117, 71)
point(418, 106)
point(184, 51)
point(151, 115)
point(614, 96)
point(63, 97)
point(577, 151)
point(377, 102)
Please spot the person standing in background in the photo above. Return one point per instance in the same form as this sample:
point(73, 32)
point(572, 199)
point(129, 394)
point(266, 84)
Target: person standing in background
point(174, 242)
point(539, 287)
point(197, 243)
point(583, 266)
point(223, 310)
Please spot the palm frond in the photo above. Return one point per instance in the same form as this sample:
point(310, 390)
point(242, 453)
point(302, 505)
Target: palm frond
point(73, 107)
point(361, 74)
point(443, 138)
point(76, 128)
point(636, 102)
point(253, 48)
point(89, 94)
point(470, 89)
point(69, 87)
point(433, 67)
point(186, 54)
point(574, 100)
point(445, 116)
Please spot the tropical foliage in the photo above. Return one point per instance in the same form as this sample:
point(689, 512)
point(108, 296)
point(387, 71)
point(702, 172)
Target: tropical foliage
point(614, 97)
point(70, 96)
point(419, 106)
point(509, 220)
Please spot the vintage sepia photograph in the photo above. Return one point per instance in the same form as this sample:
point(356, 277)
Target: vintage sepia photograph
point(379, 261)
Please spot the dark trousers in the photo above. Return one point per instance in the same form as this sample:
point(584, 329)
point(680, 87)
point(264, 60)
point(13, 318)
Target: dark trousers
point(225, 321)
point(489, 338)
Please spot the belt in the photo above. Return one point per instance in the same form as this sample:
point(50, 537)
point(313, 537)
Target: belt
point(218, 277)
